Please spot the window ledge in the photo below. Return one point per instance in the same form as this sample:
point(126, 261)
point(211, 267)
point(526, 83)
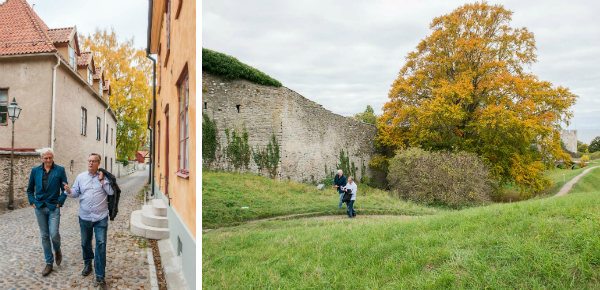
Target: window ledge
point(183, 173)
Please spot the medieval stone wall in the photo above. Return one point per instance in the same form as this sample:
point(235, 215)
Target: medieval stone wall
point(310, 136)
point(23, 163)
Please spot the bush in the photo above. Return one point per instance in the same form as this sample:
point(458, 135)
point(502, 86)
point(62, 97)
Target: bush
point(229, 67)
point(124, 161)
point(440, 178)
point(585, 158)
point(581, 164)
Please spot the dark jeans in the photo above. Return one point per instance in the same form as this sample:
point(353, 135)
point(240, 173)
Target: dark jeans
point(350, 209)
point(88, 228)
point(49, 221)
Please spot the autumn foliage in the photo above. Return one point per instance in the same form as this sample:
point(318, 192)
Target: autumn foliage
point(130, 76)
point(466, 88)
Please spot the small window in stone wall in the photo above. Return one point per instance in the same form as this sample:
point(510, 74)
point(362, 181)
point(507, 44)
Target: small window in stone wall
point(205, 106)
point(238, 108)
point(71, 167)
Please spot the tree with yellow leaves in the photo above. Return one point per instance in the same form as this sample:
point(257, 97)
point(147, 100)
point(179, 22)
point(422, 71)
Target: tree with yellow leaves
point(130, 76)
point(465, 89)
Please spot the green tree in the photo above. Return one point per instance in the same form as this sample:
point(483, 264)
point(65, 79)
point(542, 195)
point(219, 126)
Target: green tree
point(466, 89)
point(581, 147)
point(594, 145)
point(130, 76)
point(368, 116)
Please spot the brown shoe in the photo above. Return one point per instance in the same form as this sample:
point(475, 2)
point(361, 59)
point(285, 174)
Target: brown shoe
point(58, 257)
point(47, 270)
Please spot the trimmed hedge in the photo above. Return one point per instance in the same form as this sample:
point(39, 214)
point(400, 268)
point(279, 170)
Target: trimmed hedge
point(452, 179)
point(229, 67)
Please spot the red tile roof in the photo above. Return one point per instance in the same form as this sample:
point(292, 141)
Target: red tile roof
point(21, 30)
point(84, 58)
point(98, 73)
point(143, 153)
point(107, 86)
point(60, 35)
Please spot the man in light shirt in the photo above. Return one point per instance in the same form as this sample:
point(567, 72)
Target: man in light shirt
point(352, 186)
point(93, 188)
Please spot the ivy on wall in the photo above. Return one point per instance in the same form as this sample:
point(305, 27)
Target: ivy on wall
point(229, 67)
point(210, 140)
point(238, 150)
point(267, 157)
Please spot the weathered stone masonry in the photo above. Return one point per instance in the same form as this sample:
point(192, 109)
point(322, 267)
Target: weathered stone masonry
point(310, 136)
point(24, 162)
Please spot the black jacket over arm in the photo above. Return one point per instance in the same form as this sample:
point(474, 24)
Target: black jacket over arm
point(113, 200)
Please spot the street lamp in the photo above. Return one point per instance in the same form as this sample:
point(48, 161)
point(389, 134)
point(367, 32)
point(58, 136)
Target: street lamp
point(13, 114)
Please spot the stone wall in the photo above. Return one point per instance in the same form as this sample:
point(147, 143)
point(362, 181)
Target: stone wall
point(569, 137)
point(23, 163)
point(310, 136)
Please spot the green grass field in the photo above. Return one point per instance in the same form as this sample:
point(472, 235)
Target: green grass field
point(550, 243)
point(224, 194)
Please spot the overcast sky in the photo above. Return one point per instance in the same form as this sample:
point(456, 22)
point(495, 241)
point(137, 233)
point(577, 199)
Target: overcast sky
point(346, 54)
point(128, 17)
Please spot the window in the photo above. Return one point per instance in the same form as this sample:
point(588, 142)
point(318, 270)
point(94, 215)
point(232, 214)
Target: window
point(83, 121)
point(159, 69)
point(111, 136)
point(178, 9)
point(158, 151)
point(72, 58)
point(90, 75)
point(100, 86)
point(184, 135)
point(3, 106)
point(111, 163)
point(106, 134)
point(98, 128)
point(168, 32)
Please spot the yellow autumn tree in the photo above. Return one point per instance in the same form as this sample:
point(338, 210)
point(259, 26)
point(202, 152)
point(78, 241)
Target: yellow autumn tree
point(130, 76)
point(465, 88)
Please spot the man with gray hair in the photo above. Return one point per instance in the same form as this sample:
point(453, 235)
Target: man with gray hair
point(44, 193)
point(93, 188)
point(338, 183)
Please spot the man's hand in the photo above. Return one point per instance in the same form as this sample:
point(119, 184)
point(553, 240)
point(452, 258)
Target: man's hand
point(67, 188)
point(33, 205)
point(101, 177)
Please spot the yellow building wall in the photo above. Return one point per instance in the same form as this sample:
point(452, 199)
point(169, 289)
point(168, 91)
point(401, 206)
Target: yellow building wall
point(182, 191)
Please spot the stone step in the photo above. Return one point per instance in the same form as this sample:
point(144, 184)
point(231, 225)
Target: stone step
point(159, 207)
point(150, 219)
point(138, 228)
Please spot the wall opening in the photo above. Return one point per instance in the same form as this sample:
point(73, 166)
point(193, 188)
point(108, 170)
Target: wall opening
point(238, 108)
point(205, 106)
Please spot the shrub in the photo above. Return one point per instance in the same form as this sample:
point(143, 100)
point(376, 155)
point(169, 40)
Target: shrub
point(581, 164)
point(585, 158)
point(440, 178)
point(124, 161)
point(229, 67)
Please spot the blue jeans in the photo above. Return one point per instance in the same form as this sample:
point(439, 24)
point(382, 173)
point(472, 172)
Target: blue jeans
point(350, 209)
point(49, 221)
point(341, 197)
point(87, 231)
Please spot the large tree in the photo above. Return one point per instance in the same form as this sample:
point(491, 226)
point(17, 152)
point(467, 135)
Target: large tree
point(130, 76)
point(465, 88)
point(594, 145)
point(368, 116)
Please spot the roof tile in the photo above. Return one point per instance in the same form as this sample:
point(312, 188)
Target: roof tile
point(21, 30)
point(60, 35)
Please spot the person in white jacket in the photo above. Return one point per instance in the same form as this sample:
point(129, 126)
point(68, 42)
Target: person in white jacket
point(352, 186)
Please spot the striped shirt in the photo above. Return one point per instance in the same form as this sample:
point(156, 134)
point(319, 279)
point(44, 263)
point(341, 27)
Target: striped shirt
point(93, 205)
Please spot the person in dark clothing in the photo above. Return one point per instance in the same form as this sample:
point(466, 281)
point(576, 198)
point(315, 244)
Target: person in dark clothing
point(339, 182)
point(46, 194)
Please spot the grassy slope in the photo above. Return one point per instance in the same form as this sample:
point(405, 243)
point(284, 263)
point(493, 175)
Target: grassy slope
point(224, 194)
point(538, 244)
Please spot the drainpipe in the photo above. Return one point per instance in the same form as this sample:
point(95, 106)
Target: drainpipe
point(54, 100)
point(153, 145)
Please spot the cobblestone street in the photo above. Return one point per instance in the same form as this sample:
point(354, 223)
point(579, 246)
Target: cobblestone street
point(22, 256)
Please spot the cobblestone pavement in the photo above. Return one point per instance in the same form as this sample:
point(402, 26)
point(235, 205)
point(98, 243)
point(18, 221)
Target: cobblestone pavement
point(22, 256)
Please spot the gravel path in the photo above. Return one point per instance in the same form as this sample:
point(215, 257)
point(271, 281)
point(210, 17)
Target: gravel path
point(22, 256)
point(565, 189)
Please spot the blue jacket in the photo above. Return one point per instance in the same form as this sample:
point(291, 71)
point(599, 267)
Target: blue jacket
point(51, 195)
point(340, 181)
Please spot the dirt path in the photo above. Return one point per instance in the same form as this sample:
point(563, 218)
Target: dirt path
point(565, 189)
point(341, 216)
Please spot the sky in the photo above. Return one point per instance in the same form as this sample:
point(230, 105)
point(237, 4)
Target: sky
point(345, 55)
point(129, 20)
